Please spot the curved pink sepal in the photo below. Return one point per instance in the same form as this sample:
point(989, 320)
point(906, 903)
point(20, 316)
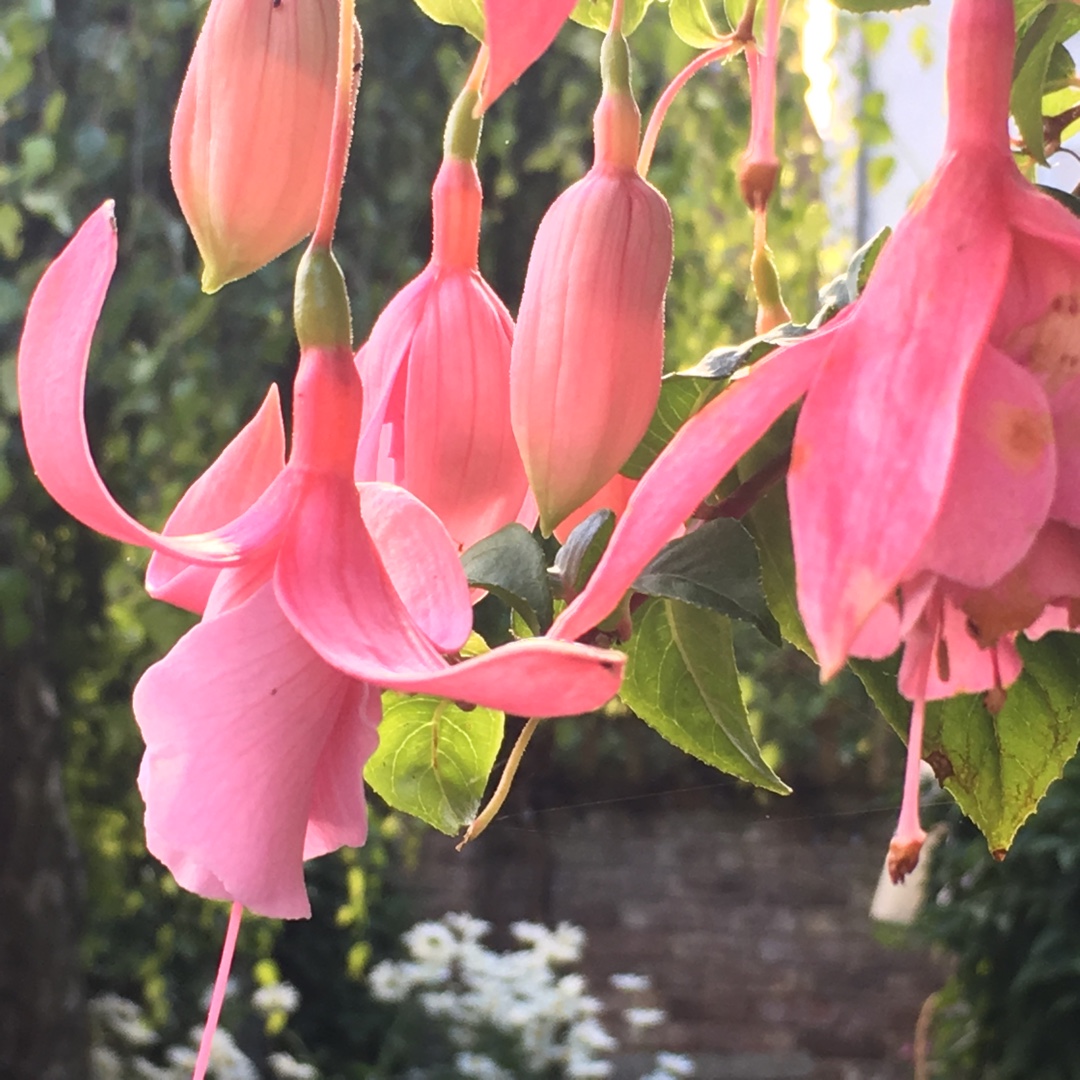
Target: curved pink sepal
point(421, 559)
point(700, 455)
point(518, 32)
point(878, 430)
point(231, 485)
point(53, 356)
point(254, 753)
point(332, 585)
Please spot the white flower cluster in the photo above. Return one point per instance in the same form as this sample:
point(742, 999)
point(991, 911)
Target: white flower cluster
point(487, 1000)
point(119, 1031)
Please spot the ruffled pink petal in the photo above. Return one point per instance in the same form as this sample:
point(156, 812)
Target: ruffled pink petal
point(232, 484)
point(331, 583)
point(238, 720)
point(53, 356)
point(422, 561)
point(518, 32)
point(1003, 477)
point(702, 453)
point(877, 433)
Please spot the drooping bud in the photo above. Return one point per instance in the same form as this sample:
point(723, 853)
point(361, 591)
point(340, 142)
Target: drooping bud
point(589, 348)
point(252, 130)
point(760, 166)
point(436, 367)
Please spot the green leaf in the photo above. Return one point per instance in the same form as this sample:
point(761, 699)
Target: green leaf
point(597, 14)
point(680, 398)
point(1053, 25)
point(997, 767)
point(468, 14)
point(434, 758)
point(715, 567)
point(863, 6)
point(511, 564)
point(577, 558)
point(691, 22)
point(681, 679)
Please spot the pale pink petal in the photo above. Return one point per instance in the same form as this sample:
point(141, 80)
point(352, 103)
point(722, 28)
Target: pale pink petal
point(1065, 406)
point(232, 484)
point(422, 562)
point(876, 436)
point(237, 720)
point(338, 814)
point(879, 636)
point(333, 587)
point(697, 459)
point(1003, 477)
point(518, 32)
point(53, 356)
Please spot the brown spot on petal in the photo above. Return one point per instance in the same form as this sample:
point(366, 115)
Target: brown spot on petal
point(999, 853)
point(940, 763)
point(1050, 347)
point(1022, 435)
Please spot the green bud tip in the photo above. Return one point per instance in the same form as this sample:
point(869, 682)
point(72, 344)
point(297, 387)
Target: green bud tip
point(462, 137)
point(615, 64)
point(321, 303)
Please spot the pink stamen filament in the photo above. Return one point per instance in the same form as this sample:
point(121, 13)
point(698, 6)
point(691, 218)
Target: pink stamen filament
point(724, 51)
point(217, 997)
point(341, 135)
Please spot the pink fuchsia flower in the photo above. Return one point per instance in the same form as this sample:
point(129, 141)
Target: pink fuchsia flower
point(935, 452)
point(518, 32)
point(252, 130)
point(589, 348)
point(258, 722)
point(436, 368)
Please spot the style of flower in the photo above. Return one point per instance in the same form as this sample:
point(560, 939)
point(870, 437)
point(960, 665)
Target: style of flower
point(252, 130)
point(436, 368)
point(589, 347)
point(931, 484)
point(258, 722)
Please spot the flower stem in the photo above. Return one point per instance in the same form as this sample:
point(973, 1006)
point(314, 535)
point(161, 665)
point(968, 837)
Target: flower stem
point(723, 51)
point(485, 817)
point(217, 997)
point(348, 82)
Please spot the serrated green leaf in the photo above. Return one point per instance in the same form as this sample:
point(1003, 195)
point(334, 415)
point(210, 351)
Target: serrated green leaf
point(468, 14)
point(434, 758)
point(511, 564)
point(691, 22)
point(680, 398)
point(597, 14)
point(577, 558)
point(862, 7)
point(997, 767)
point(862, 263)
point(681, 679)
point(715, 567)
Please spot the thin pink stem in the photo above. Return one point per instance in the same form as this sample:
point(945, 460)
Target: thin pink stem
point(652, 131)
point(341, 135)
point(217, 997)
point(616, 17)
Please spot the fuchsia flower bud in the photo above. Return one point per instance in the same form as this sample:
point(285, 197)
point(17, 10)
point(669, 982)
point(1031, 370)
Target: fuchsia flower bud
point(252, 130)
point(436, 369)
point(589, 349)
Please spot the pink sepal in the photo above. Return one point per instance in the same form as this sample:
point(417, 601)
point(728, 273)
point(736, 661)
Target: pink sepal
point(518, 32)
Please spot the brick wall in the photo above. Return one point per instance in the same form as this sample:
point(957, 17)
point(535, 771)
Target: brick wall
point(753, 926)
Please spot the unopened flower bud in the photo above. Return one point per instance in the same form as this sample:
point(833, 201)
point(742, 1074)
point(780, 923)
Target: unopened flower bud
point(589, 348)
point(251, 135)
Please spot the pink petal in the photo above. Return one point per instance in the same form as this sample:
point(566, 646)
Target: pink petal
point(876, 437)
point(613, 496)
point(697, 459)
point(422, 562)
point(241, 721)
point(53, 356)
point(1065, 405)
point(518, 32)
point(232, 484)
point(879, 636)
point(335, 590)
point(1003, 477)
